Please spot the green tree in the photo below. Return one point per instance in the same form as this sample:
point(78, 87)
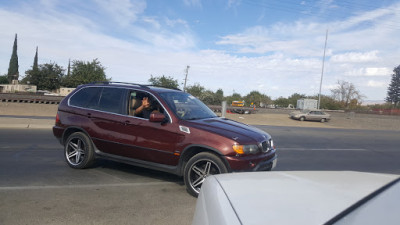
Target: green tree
point(163, 81)
point(347, 94)
point(35, 60)
point(219, 96)
point(85, 72)
point(4, 79)
point(13, 67)
point(393, 94)
point(282, 102)
point(47, 76)
point(208, 97)
point(328, 102)
point(294, 97)
point(69, 68)
point(195, 90)
point(33, 76)
point(233, 97)
point(257, 99)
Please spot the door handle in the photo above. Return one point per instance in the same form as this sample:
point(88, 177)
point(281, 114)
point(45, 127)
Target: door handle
point(127, 122)
point(89, 115)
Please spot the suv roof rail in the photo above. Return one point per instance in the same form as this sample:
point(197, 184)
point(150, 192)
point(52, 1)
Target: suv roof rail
point(128, 83)
point(113, 82)
point(152, 85)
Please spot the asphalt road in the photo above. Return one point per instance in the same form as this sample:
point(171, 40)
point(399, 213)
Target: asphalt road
point(37, 187)
point(336, 149)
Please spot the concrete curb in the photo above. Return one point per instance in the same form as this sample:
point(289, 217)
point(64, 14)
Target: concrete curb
point(25, 123)
point(25, 126)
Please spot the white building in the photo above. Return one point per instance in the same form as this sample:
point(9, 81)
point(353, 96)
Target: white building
point(15, 87)
point(64, 91)
point(305, 103)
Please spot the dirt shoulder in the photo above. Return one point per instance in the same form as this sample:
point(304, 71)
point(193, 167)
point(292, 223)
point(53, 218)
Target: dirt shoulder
point(339, 120)
point(263, 117)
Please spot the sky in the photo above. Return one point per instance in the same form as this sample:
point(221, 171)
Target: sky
point(275, 47)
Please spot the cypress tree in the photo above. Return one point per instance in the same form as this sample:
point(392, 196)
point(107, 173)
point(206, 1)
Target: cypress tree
point(69, 68)
point(13, 67)
point(393, 94)
point(35, 60)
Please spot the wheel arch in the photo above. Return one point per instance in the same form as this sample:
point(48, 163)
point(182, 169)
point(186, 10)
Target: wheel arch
point(71, 130)
point(193, 150)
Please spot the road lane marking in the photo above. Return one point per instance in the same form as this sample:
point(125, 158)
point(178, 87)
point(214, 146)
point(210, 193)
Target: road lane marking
point(323, 149)
point(16, 188)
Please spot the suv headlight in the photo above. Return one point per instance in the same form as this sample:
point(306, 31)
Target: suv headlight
point(246, 149)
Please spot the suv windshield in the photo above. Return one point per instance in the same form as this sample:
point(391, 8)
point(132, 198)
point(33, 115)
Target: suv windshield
point(187, 107)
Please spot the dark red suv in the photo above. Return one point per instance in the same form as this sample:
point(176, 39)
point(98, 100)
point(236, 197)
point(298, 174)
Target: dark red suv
point(157, 128)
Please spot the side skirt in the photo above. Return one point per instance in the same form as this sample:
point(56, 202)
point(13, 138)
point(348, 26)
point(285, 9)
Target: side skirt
point(137, 162)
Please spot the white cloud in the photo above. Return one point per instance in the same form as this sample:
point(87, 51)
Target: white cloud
point(369, 72)
point(373, 83)
point(326, 4)
point(358, 47)
point(285, 58)
point(233, 3)
point(355, 57)
point(377, 71)
point(176, 22)
point(329, 86)
point(124, 12)
point(196, 3)
point(152, 21)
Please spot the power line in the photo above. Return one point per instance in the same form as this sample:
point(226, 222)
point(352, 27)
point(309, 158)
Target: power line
point(187, 71)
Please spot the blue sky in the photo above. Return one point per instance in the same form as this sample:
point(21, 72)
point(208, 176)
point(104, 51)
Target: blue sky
point(273, 46)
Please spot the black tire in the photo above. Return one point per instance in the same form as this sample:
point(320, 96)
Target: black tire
point(79, 151)
point(323, 120)
point(302, 118)
point(198, 168)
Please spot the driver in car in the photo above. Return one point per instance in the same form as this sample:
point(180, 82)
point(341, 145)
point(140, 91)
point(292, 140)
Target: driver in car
point(145, 109)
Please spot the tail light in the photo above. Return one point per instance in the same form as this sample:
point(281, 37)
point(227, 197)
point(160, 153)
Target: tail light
point(57, 119)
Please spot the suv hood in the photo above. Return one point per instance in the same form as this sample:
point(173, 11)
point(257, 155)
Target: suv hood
point(308, 197)
point(242, 133)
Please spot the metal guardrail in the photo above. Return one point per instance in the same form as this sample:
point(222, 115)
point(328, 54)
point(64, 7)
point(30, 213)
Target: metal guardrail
point(30, 98)
point(233, 109)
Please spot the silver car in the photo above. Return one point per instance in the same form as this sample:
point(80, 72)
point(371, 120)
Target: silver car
point(299, 197)
point(313, 115)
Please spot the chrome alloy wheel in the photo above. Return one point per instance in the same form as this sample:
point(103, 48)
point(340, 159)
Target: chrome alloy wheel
point(199, 172)
point(75, 151)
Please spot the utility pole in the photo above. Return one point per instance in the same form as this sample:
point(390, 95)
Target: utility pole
point(187, 71)
point(322, 72)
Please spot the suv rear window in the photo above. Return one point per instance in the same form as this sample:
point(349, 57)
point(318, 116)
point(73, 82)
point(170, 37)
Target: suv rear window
point(103, 99)
point(86, 97)
point(112, 100)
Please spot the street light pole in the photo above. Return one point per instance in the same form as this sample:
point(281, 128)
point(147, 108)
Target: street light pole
point(322, 72)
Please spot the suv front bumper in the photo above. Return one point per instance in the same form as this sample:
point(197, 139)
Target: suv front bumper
point(252, 163)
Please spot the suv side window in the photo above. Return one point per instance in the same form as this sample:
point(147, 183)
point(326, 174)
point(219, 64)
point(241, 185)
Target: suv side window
point(86, 97)
point(112, 100)
point(135, 101)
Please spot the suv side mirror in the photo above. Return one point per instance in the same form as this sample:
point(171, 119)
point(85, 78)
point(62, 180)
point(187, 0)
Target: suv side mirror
point(157, 117)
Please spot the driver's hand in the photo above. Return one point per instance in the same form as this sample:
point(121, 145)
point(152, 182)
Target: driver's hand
point(145, 103)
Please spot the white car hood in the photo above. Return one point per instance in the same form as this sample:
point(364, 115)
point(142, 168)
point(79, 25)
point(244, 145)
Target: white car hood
point(283, 197)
